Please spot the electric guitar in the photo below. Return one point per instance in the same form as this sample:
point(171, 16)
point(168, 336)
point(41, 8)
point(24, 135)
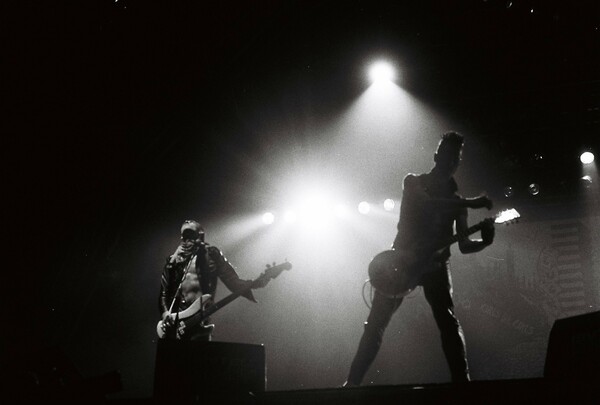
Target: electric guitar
point(396, 273)
point(193, 316)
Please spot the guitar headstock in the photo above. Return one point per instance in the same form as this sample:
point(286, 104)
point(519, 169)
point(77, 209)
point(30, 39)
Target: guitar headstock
point(507, 217)
point(273, 270)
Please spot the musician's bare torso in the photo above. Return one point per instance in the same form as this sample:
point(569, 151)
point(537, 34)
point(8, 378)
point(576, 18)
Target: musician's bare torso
point(190, 287)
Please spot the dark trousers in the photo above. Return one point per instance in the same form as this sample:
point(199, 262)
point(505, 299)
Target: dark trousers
point(437, 287)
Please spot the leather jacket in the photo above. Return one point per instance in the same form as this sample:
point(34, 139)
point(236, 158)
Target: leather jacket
point(210, 265)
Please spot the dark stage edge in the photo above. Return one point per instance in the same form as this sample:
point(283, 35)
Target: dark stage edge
point(501, 392)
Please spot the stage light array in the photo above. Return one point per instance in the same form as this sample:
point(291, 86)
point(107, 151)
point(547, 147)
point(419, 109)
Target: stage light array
point(321, 212)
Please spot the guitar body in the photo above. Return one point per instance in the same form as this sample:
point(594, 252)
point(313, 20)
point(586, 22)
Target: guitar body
point(394, 274)
point(185, 328)
point(188, 321)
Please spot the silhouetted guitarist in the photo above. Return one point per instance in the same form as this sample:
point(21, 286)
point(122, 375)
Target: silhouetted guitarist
point(430, 208)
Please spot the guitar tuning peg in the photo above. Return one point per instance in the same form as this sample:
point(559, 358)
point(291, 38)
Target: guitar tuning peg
point(268, 266)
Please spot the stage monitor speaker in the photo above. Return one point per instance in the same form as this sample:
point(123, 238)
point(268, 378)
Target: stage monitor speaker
point(574, 348)
point(191, 370)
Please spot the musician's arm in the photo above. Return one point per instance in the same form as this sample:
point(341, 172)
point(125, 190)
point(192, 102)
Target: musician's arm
point(229, 276)
point(416, 189)
point(467, 245)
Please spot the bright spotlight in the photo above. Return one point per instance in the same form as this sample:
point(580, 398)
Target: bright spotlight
point(389, 204)
point(382, 72)
point(290, 216)
point(341, 210)
point(315, 208)
point(364, 207)
point(268, 218)
point(586, 158)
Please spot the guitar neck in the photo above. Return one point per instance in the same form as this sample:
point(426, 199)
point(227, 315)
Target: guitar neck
point(454, 238)
point(220, 304)
point(270, 273)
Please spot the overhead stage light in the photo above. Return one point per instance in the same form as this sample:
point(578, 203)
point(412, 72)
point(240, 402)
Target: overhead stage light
point(586, 158)
point(382, 72)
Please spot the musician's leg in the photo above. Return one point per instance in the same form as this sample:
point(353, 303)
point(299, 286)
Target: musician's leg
point(381, 312)
point(437, 287)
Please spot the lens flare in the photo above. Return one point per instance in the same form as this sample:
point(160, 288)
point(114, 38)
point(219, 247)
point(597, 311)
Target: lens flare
point(534, 189)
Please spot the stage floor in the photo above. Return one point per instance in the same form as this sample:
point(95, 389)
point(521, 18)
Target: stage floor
point(502, 392)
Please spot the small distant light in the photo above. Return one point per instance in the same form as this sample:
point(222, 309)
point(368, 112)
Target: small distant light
point(586, 181)
point(531, 11)
point(508, 4)
point(586, 158)
point(534, 189)
point(268, 218)
point(508, 191)
point(389, 204)
point(364, 207)
point(290, 216)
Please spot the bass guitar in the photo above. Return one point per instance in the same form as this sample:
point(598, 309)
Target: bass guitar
point(396, 273)
point(193, 317)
